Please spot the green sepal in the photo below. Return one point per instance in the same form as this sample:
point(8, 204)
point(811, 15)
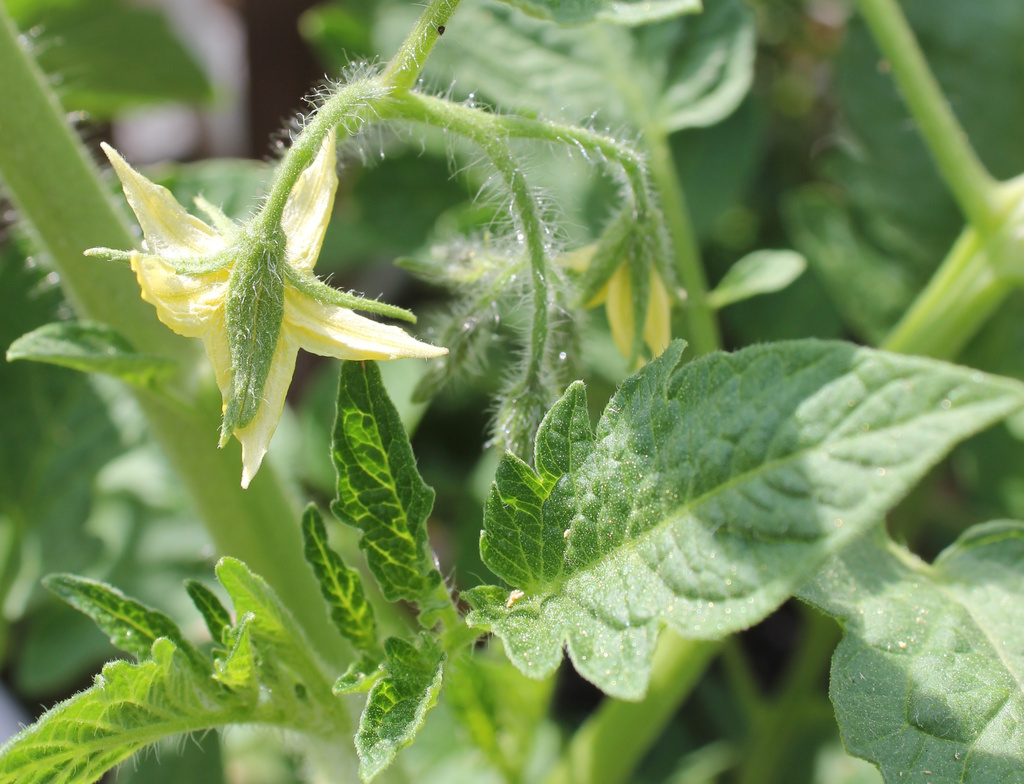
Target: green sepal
point(608, 254)
point(131, 626)
point(928, 681)
point(713, 489)
point(359, 677)
point(398, 702)
point(215, 615)
point(379, 489)
point(310, 285)
point(254, 311)
point(341, 586)
point(91, 348)
point(110, 254)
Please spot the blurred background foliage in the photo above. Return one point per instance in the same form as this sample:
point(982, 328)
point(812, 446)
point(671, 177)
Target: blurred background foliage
point(786, 132)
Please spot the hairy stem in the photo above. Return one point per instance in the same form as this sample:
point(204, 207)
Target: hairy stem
point(404, 68)
point(971, 184)
point(61, 198)
point(488, 133)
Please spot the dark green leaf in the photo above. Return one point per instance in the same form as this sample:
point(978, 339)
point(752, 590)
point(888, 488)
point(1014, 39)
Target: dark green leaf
point(760, 272)
point(379, 489)
point(713, 489)
point(131, 625)
point(398, 703)
point(869, 290)
point(927, 682)
point(108, 56)
point(341, 586)
point(215, 614)
point(91, 348)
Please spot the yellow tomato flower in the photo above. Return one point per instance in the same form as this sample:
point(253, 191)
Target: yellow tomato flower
point(249, 292)
point(617, 297)
point(619, 308)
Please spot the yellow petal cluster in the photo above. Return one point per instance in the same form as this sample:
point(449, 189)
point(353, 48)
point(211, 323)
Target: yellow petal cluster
point(189, 291)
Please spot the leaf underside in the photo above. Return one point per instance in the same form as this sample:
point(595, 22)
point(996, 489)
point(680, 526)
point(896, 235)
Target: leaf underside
point(708, 493)
point(928, 681)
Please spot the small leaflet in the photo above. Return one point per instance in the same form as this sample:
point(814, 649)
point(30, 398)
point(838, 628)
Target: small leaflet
point(398, 702)
point(341, 586)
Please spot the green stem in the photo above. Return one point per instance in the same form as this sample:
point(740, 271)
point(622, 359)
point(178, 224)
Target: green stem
point(957, 301)
point(60, 196)
point(971, 184)
point(489, 134)
point(973, 280)
point(404, 68)
point(703, 326)
point(612, 742)
point(776, 727)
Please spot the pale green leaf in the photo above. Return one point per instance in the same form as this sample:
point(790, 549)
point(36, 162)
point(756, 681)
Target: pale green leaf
point(760, 272)
point(714, 72)
point(398, 702)
point(91, 348)
point(341, 586)
point(379, 489)
point(928, 682)
point(714, 488)
point(624, 12)
point(289, 669)
point(129, 707)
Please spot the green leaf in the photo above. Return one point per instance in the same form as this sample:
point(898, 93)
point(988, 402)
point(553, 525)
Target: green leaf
point(714, 71)
point(928, 682)
point(760, 272)
point(215, 614)
point(398, 702)
point(131, 626)
point(687, 73)
point(239, 669)
point(341, 586)
point(499, 708)
point(108, 56)
point(624, 12)
point(379, 489)
point(129, 707)
point(870, 290)
point(359, 677)
point(713, 489)
point(91, 348)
